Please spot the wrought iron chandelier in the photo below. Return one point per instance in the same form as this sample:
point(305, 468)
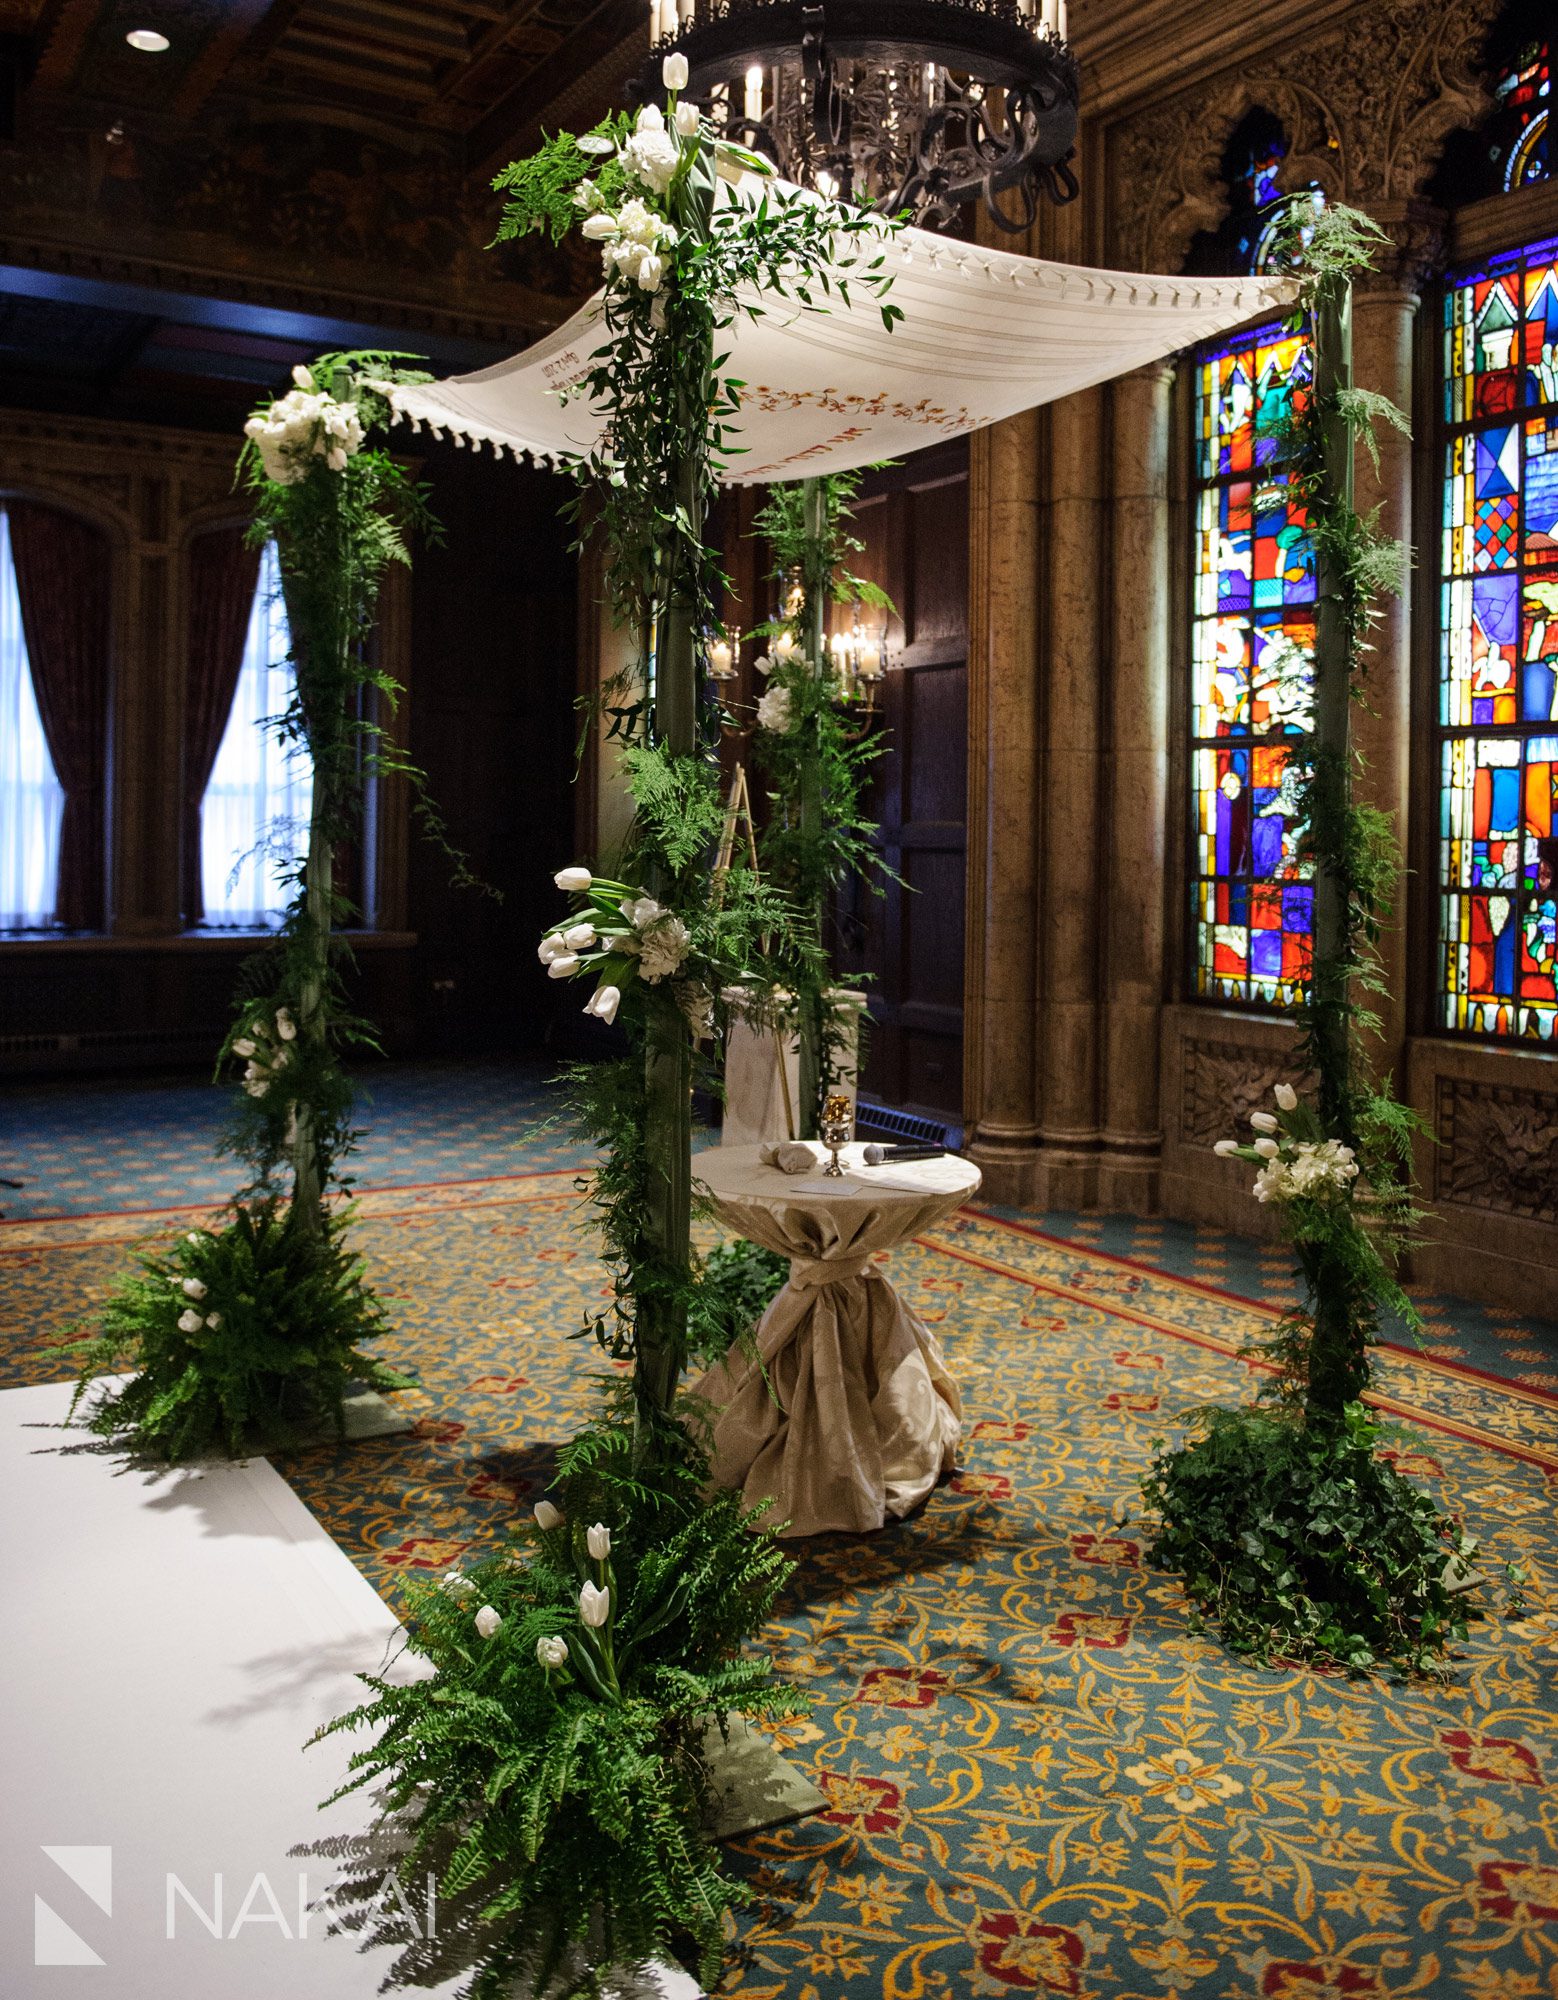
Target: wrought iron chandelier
point(921, 105)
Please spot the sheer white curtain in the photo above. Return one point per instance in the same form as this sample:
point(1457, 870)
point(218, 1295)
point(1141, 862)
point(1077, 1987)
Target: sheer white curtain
point(254, 817)
point(31, 800)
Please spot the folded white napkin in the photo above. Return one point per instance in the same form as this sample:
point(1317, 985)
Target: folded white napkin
point(790, 1156)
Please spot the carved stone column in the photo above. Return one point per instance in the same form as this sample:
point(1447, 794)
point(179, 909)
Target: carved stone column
point(1384, 313)
point(1071, 878)
point(1003, 752)
point(1134, 819)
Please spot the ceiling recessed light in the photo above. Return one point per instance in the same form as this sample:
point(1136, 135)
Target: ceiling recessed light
point(147, 40)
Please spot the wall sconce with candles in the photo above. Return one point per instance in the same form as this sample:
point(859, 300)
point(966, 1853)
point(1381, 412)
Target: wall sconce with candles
point(860, 660)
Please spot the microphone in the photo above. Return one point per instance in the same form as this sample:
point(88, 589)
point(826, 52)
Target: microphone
point(882, 1156)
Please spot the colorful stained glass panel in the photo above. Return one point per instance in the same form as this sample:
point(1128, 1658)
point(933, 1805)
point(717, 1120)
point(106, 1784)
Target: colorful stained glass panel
point(1499, 649)
point(1253, 601)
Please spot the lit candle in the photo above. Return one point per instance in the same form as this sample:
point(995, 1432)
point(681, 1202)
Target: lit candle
point(931, 83)
point(754, 97)
point(1060, 18)
point(721, 661)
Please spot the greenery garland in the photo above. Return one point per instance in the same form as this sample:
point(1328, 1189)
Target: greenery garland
point(817, 834)
point(1285, 1522)
point(561, 1744)
point(249, 1331)
point(682, 259)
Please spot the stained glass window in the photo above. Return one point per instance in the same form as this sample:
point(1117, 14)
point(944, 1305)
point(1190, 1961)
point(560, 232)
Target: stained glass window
point(1253, 609)
point(1523, 97)
point(1498, 686)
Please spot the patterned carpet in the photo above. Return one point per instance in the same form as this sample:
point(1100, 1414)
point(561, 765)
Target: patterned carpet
point(1040, 1780)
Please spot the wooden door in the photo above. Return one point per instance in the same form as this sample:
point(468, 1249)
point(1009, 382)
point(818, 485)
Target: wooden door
point(914, 522)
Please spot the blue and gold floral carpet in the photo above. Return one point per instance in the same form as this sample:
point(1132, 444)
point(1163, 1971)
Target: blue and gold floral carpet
point(1041, 1779)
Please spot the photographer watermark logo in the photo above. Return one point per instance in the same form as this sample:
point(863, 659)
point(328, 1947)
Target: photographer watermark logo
point(54, 1942)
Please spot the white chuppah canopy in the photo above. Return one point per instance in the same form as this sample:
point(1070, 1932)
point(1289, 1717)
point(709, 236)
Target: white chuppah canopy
point(984, 335)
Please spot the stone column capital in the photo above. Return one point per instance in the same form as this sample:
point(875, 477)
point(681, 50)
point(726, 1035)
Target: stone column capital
point(1413, 251)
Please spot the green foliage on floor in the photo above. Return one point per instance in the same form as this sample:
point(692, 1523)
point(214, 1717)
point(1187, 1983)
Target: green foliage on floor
point(1307, 1544)
point(241, 1336)
point(550, 1769)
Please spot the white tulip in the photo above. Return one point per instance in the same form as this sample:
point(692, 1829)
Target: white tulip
point(564, 966)
point(598, 1541)
point(548, 1516)
point(1267, 1148)
point(687, 120)
point(1287, 1097)
point(596, 228)
point(190, 1322)
point(594, 1605)
point(650, 272)
point(596, 143)
point(574, 880)
point(604, 1002)
point(487, 1621)
point(303, 378)
point(580, 938)
point(213, 1320)
point(456, 1585)
point(194, 1289)
point(286, 1027)
point(1264, 1122)
point(550, 947)
point(256, 1086)
point(244, 1047)
point(552, 1653)
point(673, 72)
point(1226, 1149)
point(651, 118)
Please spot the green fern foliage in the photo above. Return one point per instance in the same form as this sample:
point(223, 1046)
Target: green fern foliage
point(242, 1335)
point(569, 1799)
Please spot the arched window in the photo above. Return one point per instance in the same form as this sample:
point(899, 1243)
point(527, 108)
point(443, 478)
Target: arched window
point(1252, 634)
point(1498, 660)
point(32, 800)
point(254, 814)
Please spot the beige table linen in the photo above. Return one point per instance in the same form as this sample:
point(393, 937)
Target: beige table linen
point(848, 1416)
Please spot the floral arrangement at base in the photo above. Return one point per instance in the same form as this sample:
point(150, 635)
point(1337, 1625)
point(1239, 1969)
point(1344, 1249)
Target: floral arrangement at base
point(552, 1769)
point(248, 1333)
point(243, 1335)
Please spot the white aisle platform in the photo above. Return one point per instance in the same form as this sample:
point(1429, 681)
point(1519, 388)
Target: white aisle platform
point(172, 1641)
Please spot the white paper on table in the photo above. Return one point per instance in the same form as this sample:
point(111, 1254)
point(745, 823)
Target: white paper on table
point(830, 1186)
point(917, 1175)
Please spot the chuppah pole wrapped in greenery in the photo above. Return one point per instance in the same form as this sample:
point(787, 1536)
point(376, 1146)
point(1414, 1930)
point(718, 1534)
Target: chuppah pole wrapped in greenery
point(249, 1331)
point(817, 834)
point(555, 1764)
point(1298, 1537)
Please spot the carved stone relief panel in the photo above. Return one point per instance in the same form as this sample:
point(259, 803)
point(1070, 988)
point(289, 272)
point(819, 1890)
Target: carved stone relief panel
point(1221, 1084)
point(1498, 1148)
point(1366, 107)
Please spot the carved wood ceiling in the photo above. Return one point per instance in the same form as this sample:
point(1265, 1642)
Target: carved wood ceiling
point(481, 70)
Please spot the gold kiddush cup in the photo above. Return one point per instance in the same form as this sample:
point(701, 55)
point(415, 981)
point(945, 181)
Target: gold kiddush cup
point(837, 1127)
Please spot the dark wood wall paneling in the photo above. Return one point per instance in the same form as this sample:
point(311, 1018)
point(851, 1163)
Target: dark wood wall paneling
point(494, 727)
point(909, 940)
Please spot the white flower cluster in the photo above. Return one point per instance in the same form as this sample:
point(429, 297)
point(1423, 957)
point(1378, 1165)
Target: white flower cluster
point(776, 710)
point(194, 1317)
point(1291, 1168)
point(1306, 1168)
point(632, 240)
point(263, 1044)
point(662, 941)
point(301, 426)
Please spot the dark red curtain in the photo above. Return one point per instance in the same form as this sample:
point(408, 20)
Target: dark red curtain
point(223, 575)
point(62, 579)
